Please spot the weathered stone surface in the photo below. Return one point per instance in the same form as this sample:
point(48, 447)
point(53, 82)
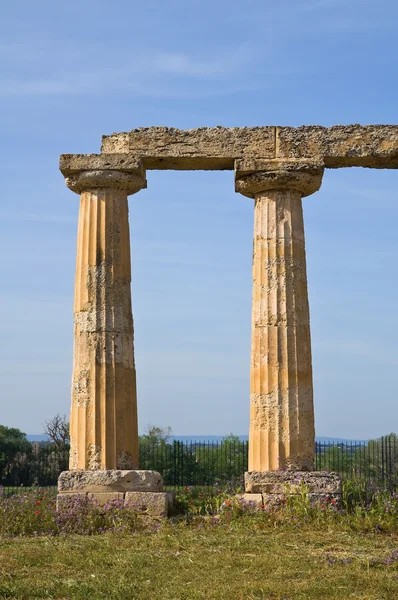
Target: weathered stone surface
point(281, 398)
point(216, 147)
point(301, 176)
point(70, 164)
point(106, 497)
point(289, 482)
point(252, 500)
point(151, 503)
point(110, 480)
point(103, 422)
point(203, 148)
point(85, 172)
point(66, 502)
point(373, 146)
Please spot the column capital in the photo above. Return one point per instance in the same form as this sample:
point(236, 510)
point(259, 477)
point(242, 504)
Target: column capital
point(85, 172)
point(255, 176)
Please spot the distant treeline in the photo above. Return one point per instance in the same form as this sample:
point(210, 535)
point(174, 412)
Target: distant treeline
point(199, 463)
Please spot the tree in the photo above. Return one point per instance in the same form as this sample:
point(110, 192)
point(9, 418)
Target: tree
point(11, 434)
point(156, 435)
point(14, 452)
point(57, 431)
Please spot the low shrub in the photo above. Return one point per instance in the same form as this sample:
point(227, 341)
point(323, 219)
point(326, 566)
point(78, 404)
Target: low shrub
point(363, 509)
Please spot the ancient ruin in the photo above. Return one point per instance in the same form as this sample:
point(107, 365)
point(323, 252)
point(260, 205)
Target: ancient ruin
point(277, 167)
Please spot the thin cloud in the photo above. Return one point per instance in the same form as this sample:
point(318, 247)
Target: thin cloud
point(144, 73)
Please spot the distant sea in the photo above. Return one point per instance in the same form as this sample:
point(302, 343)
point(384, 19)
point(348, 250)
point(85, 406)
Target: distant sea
point(216, 438)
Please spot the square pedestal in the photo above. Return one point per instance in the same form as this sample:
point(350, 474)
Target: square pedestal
point(271, 487)
point(139, 490)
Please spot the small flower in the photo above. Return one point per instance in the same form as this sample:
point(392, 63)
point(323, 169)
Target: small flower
point(37, 502)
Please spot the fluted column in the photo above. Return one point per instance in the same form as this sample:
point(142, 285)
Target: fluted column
point(103, 419)
point(281, 392)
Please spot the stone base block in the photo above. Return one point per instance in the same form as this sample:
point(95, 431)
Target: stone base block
point(152, 504)
point(251, 500)
point(110, 481)
point(105, 497)
point(275, 486)
point(138, 489)
point(65, 502)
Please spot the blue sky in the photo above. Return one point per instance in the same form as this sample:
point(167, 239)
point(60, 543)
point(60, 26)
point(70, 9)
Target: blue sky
point(71, 72)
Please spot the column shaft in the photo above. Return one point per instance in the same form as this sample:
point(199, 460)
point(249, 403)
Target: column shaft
point(103, 420)
point(281, 402)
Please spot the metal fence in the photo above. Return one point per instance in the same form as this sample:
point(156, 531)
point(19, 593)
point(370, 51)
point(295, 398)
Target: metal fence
point(202, 463)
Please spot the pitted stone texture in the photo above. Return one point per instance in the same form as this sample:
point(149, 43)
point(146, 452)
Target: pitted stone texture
point(106, 497)
point(103, 423)
point(95, 180)
point(71, 164)
point(374, 146)
point(304, 177)
point(203, 148)
point(84, 172)
point(151, 503)
point(66, 502)
point(251, 500)
point(281, 398)
point(110, 480)
point(217, 147)
point(290, 482)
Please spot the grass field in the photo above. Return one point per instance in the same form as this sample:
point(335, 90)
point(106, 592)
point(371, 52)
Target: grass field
point(237, 560)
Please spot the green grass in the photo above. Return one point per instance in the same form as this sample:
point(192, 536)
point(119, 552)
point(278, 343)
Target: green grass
point(244, 559)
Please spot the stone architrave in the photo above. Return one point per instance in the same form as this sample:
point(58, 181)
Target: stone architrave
point(282, 430)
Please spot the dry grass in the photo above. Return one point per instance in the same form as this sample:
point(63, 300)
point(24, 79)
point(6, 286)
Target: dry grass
point(244, 559)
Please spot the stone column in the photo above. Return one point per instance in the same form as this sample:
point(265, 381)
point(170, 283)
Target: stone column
point(104, 434)
point(282, 433)
point(103, 420)
point(281, 396)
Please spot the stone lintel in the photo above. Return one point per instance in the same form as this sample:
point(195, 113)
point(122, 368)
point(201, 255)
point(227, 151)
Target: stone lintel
point(205, 148)
point(290, 482)
point(374, 146)
point(109, 481)
point(216, 148)
point(71, 164)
